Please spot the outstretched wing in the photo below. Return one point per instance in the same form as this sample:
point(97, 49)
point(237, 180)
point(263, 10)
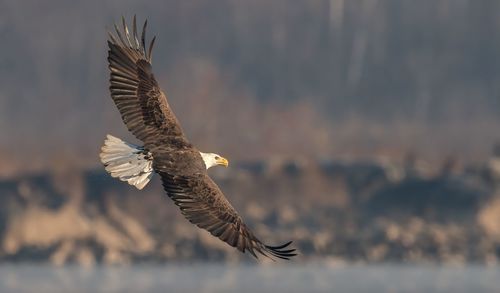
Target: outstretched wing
point(203, 204)
point(142, 104)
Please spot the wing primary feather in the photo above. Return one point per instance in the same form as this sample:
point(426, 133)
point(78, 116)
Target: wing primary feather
point(125, 29)
point(134, 28)
point(118, 33)
point(143, 37)
point(263, 252)
point(250, 249)
point(150, 51)
point(233, 239)
point(225, 235)
point(113, 40)
point(279, 252)
point(288, 250)
point(279, 246)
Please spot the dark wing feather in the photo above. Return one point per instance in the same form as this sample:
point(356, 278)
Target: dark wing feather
point(134, 89)
point(203, 204)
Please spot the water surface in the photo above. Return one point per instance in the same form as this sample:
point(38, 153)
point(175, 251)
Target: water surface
point(248, 279)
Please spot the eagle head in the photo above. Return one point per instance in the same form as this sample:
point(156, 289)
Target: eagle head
point(212, 160)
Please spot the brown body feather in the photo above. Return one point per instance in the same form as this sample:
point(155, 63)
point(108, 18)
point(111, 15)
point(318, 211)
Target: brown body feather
point(146, 113)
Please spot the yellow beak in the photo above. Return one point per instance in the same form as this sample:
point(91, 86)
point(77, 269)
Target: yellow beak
point(222, 161)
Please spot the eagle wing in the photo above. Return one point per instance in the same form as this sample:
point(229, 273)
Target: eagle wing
point(134, 89)
point(203, 204)
point(146, 113)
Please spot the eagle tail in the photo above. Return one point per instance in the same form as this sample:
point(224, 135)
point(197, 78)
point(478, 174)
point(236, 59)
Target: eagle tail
point(127, 162)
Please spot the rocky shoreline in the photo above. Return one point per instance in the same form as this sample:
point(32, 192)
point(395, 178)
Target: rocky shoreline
point(361, 211)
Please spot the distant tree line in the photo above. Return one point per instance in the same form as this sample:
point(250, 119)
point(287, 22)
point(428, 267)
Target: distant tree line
point(421, 62)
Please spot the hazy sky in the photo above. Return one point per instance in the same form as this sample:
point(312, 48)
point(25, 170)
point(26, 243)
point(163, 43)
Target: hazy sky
point(368, 74)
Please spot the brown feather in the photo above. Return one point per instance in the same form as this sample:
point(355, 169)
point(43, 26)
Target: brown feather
point(132, 83)
point(146, 113)
point(214, 213)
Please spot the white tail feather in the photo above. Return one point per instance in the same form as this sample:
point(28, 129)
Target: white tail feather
point(126, 161)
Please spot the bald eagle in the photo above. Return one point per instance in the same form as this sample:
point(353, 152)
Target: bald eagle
point(183, 168)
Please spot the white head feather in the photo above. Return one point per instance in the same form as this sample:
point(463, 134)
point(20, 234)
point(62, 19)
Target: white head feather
point(212, 160)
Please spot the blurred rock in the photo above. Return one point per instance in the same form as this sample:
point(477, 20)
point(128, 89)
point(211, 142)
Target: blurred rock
point(370, 211)
point(489, 219)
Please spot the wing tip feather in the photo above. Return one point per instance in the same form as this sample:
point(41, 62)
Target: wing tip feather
point(123, 38)
point(279, 251)
point(227, 226)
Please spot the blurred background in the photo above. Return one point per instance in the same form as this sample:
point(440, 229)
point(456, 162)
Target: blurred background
point(367, 131)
